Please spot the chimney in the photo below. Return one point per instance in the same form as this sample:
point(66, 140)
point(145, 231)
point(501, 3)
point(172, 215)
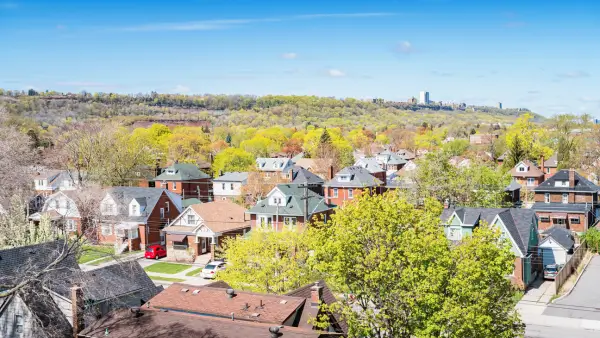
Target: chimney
point(446, 204)
point(77, 308)
point(571, 178)
point(316, 294)
point(330, 173)
point(542, 165)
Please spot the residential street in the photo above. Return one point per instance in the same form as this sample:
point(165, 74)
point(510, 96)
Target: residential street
point(584, 301)
point(539, 331)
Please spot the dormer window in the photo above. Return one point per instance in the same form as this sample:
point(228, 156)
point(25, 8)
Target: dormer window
point(522, 169)
point(134, 210)
point(170, 172)
point(281, 165)
point(561, 183)
point(344, 178)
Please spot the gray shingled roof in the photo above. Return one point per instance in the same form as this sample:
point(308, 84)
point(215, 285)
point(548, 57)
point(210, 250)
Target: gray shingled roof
point(183, 172)
point(294, 202)
point(562, 236)
point(232, 176)
point(517, 221)
point(552, 162)
point(145, 196)
point(581, 183)
point(369, 163)
point(514, 185)
point(359, 178)
point(303, 176)
point(272, 163)
point(392, 158)
point(51, 321)
point(562, 207)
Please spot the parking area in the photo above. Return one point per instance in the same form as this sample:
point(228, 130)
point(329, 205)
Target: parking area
point(584, 301)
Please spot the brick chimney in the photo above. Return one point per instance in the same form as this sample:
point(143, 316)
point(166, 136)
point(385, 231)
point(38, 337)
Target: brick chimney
point(316, 294)
point(571, 178)
point(542, 168)
point(330, 173)
point(77, 308)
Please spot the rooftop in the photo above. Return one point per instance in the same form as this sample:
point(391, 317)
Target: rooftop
point(181, 172)
point(232, 176)
point(582, 184)
point(357, 177)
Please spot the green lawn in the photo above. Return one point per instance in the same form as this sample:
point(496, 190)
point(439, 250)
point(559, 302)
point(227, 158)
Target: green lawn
point(110, 258)
point(168, 268)
point(194, 272)
point(167, 279)
point(91, 252)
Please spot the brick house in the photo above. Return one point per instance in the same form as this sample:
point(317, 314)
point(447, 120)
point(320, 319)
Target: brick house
point(186, 180)
point(133, 217)
point(567, 199)
point(520, 226)
point(371, 164)
point(286, 206)
point(390, 161)
point(201, 228)
point(550, 166)
point(349, 183)
point(527, 174)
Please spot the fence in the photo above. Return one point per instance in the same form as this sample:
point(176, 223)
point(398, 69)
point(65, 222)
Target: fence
point(570, 267)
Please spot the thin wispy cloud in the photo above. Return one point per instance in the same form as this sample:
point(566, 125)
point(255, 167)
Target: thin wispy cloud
point(405, 47)
point(289, 56)
point(335, 73)
point(574, 74)
point(208, 25)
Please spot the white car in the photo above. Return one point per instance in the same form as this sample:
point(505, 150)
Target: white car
point(211, 269)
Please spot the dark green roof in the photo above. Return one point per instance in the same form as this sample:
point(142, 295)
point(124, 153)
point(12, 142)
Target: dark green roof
point(190, 201)
point(294, 202)
point(181, 172)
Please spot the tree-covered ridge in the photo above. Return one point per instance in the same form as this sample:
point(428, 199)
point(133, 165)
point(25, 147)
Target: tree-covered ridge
point(54, 108)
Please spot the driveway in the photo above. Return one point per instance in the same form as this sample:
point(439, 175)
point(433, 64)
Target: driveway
point(584, 301)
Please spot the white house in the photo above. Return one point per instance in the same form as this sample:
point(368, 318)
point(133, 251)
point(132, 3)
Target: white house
point(60, 206)
point(229, 185)
point(274, 166)
point(50, 181)
point(556, 246)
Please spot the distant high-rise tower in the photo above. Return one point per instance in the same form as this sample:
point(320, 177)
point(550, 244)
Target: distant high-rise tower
point(499, 105)
point(424, 97)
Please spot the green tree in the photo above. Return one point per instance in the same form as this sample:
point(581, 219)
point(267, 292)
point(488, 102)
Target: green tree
point(592, 238)
point(456, 147)
point(260, 146)
point(233, 159)
point(325, 138)
point(269, 261)
point(402, 278)
point(525, 140)
point(228, 139)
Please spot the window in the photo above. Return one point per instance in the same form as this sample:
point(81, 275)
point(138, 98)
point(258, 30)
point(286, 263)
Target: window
point(19, 323)
point(344, 178)
point(547, 170)
point(545, 219)
point(174, 185)
point(191, 219)
point(521, 169)
point(183, 245)
point(574, 220)
point(162, 212)
point(223, 198)
point(547, 197)
point(70, 225)
point(106, 230)
point(134, 209)
point(223, 186)
point(290, 222)
point(264, 221)
point(335, 192)
point(167, 206)
point(558, 221)
point(68, 204)
point(170, 171)
point(40, 183)
point(133, 233)
point(561, 183)
point(56, 206)
point(231, 186)
point(565, 198)
point(530, 181)
point(350, 193)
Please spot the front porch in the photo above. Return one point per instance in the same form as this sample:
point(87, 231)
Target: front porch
point(187, 247)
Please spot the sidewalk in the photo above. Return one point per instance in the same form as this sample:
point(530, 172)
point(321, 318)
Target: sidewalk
point(124, 258)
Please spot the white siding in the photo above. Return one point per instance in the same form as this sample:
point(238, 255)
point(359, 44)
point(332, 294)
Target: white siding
point(228, 192)
point(8, 328)
point(552, 252)
point(66, 206)
point(182, 220)
point(64, 305)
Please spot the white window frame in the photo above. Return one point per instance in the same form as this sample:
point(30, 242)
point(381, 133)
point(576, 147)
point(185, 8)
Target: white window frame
point(264, 221)
point(522, 169)
point(133, 233)
point(19, 323)
point(231, 186)
point(546, 198)
point(577, 220)
point(223, 186)
point(530, 181)
point(335, 192)
point(290, 222)
point(565, 198)
point(559, 221)
point(191, 219)
point(134, 210)
point(70, 225)
point(544, 218)
point(106, 230)
point(174, 185)
point(350, 193)
point(162, 213)
point(167, 206)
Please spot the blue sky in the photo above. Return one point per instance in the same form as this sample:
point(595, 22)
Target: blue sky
point(543, 55)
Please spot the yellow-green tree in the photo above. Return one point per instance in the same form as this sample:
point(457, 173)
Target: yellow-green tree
point(187, 144)
point(526, 140)
point(233, 159)
point(260, 146)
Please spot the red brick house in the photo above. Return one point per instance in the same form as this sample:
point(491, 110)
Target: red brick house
point(286, 207)
point(186, 180)
point(349, 183)
point(527, 174)
point(201, 229)
point(550, 166)
point(568, 200)
point(133, 217)
point(372, 165)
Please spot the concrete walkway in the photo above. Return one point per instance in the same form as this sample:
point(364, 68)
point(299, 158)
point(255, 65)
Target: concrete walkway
point(123, 258)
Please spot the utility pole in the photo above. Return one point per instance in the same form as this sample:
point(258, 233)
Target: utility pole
point(305, 198)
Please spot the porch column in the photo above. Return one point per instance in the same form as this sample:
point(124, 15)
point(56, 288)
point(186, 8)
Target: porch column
point(213, 245)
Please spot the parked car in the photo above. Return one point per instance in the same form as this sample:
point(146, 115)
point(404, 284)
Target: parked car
point(550, 271)
point(211, 269)
point(155, 252)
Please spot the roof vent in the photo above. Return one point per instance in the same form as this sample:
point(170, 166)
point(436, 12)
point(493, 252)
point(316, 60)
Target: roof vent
point(274, 330)
point(255, 315)
point(196, 292)
point(185, 290)
point(230, 292)
point(283, 301)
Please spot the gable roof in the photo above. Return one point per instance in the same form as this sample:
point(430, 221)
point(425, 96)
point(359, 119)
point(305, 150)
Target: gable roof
point(232, 176)
point(532, 171)
point(116, 280)
point(183, 172)
point(51, 322)
point(369, 163)
point(582, 184)
point(295, 204)
point(222, 215)
point(122, 196)
point(328, 298)
point(392, 158)
point(562, 236)
point(215, 302)
point(359, 178)
point(407, 154)
point(303, 176)
point(273, 164)
point(552, 162)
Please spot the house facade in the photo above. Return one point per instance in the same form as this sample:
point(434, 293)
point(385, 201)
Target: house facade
point(271, 167)
point(349, 183)
point(61, 208)
point(229, 185)
point(287, 206)
point(47, 182)
point(527, 174)
point(390, 161)
point(556, 244)
point(186, 180)
point(550, 166)
point(519, 226)
point(133, 217)
point(372, 165)
point(201, 229)
point(568, 200)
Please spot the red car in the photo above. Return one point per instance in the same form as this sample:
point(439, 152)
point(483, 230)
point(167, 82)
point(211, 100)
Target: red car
point(155, 252)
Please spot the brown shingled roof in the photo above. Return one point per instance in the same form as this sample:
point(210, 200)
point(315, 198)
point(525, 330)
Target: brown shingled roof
point(533, 170)
point(215, 302)
point(328, 298)
point(222, 215)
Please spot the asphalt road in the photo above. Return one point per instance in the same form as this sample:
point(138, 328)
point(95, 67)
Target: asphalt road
point(538, 331)
point(584, 301)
